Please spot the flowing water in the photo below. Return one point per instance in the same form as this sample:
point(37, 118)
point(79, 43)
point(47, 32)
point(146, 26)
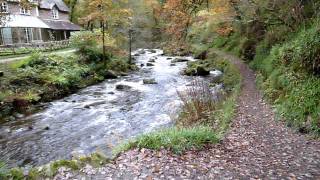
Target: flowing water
point(96, 118)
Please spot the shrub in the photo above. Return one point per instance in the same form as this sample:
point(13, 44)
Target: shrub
point(198, 102)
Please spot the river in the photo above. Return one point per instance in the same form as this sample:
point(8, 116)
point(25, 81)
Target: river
point(98, 117)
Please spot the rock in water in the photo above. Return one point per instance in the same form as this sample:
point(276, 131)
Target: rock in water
point(202, 55)
point(121, 87)
point(95, 104)
point(150, 81)
point(153, 51)
point(180, 60)
point(152, 60)
point(150, 64)
point(1, 73)
point(110, 75)
point(141, 52)
point(202, 71)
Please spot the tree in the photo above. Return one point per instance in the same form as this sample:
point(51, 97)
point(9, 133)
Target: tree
point(105, 14)
point(179, 14)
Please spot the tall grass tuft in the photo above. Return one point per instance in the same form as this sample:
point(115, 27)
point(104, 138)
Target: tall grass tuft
point(198, 102)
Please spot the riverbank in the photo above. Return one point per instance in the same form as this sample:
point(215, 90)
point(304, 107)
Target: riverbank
point(200, 133)
point(252, 147)
point(42, 78)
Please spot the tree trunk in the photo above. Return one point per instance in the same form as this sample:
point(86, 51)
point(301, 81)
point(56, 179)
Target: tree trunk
point(103, 42)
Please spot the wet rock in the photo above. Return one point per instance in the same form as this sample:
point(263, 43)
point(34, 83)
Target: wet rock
point(152, 60)
point(150, 64)
point(1, 73)
point(141, 65)
point(111, 93)
point(122, 87)
point(110, 75)
point(169, 58)
point(202, 71)
point(198, 71)
point(153, 51)
point(141, 52)
point(124, 74)
point(180, 60)
point(172, 64)
point(47, 128)
point(30, 128)
point(203, 55)
point(94, 104)
point(150, 81)
point(98, 93)
point(18, 116)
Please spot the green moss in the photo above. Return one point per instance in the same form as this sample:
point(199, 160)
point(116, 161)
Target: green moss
point(72, 164)
point(95, 159)
point(16, 174)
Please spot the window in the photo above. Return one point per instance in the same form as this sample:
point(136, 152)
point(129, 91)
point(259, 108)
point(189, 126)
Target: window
point(55, 14)
point(24, 11)
point(3, 7)
point(28, 35)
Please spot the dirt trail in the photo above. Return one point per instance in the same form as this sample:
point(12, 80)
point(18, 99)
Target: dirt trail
point(256, 147)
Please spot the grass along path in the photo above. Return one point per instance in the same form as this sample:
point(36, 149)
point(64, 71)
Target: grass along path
point(256, 146)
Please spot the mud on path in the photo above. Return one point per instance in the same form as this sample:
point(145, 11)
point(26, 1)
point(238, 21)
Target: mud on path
point(256, 146)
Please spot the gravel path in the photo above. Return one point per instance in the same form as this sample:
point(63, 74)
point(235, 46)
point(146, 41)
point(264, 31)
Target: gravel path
point(256, 147)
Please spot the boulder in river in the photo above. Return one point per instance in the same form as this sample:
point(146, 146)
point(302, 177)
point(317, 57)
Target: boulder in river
point(153, 51)
point(172, 64)
point(179, 60)
point(122, 87)
point(150, 64)
point(202, 71)
point(141, 52)
point(18, 115)
point(110, 75)
point(1, 73)
point(203, 55)
point(124, 74)
point(197, 71)
point(150, 81)
point(94, 104)
point(152, 60)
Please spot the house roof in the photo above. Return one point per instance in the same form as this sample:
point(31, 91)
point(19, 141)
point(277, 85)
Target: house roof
point(49, 4)
point(23, 22)
point(62, 25)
